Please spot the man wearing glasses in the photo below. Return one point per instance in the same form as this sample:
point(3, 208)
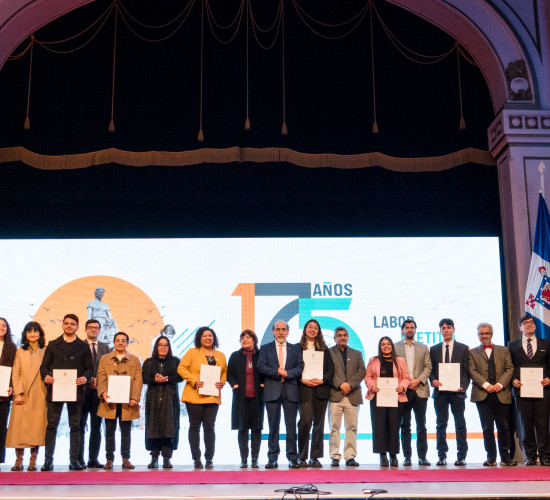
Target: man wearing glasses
point(91, 399)
point(530, 351)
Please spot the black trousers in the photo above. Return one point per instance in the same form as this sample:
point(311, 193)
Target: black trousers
point(89, 408)
point(54, 415)
point(161, 446)
point(492, 411)
point(205, 415)
point(312, 412)
point(442, 402)
point(417, 405)
point(255, 442)
point(4, 412)
point(385, 427)
point(533, 414)
point(125, 435)
point(290, 410)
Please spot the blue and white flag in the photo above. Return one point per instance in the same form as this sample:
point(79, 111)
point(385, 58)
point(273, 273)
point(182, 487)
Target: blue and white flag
point(537, 292)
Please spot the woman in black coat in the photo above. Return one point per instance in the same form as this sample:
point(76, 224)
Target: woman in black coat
point(314, 395)
point(162, 404)
point(7, 357)
point(247, 411)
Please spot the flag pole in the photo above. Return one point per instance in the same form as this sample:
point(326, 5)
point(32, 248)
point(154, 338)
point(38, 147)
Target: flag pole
point(542, 168)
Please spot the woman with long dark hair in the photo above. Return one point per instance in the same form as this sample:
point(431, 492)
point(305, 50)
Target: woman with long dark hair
point(162, 404)
point(28, 418)
point(7, 357)
point(386, 419)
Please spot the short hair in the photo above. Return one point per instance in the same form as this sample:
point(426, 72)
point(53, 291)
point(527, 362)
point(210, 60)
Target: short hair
point(252, 335)
point(523, 318)
point(33, 325)
point(93, 320)
point(279, 321)
point(485, 325)
point(7, 337)
point(319, 340)
point(199, 333)
point(446, 321)
point(340, 329)
point(122, 333)
point(155, 354)
point(409, 320)
point(71, 316)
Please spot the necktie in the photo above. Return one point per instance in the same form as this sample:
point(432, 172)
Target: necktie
point(529, 349)
point(94, 352)
point(447, 360)
point(281, 357)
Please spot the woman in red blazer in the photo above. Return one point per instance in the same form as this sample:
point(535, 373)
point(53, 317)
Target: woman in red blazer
point(386, 419)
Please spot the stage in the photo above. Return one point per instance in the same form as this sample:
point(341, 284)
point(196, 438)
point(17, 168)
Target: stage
point(400, 483)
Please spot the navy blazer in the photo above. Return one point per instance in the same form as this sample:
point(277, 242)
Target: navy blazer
point(268, 365)
point(541, 358)
point(460, 355)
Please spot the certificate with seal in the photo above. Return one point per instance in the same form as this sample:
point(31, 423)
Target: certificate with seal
point(64, 385)
point(313, 364)
point(5, 377)
point(387, 395)
point(118, 389)
point(210, 375)
point(531, 379)
point(449, 376)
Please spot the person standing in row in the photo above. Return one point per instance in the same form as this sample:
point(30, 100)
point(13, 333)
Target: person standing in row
point(7, 357)
point(28, 414)
point(314, 395)
point(66, 352)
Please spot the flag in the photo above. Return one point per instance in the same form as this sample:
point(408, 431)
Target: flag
point(537, 292)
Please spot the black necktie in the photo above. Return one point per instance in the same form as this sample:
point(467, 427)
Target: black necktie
point(94, 352)
point(447, 360)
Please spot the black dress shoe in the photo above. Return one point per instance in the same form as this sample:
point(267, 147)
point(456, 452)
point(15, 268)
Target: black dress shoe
point(489, 462)
point(441, 461)
point(94, 464)
point(166, 464)
point(254, 463)
point(82, 464)
point(301, 462)
point(48, 466)
point(384, 460)
point(531, 461)
point(75, 465)
point(351, 462)
point(393, 460)
point(407, 462)
point(508, 462)
point(154, 463)
point(313, 462)
point(335, 462)
point(197, 464)
point(208, 464)
point(293, 464)
point(244, 464)
point(461, 462)
point(424, 461)
point(545, 462)
point(272, 464)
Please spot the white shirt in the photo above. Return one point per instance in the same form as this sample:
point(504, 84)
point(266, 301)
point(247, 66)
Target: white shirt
point(451, 344)
point(409, 356)
point(533, 343)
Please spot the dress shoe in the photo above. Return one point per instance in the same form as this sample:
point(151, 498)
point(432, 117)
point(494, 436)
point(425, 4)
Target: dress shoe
point(490, 462)
point(531, 461)
point(94, 464)
point(407, 462)
point(313, 462)
point(75, 465)
point(460, 462)
point(301, 462)
point(108, 465)
point(272, 464)
point(545, 462)
point(154, 464)
point(508, 462)
point(293, 464)
point(351, 462)
point(197, 464)
point(82, 464)
point(424, 461)
point(441, 461)
point(384, 460)
point(208, 464)
point(166, 464)
point(254, 463)
point(244, 464)
point(393, 460)
point(48, 466)
point(335, 462)
point(126, 464)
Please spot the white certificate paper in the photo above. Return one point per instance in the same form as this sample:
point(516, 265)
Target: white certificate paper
point(118, 389)
point(531, 379)
point(449, 376)
point(387, 395)
point(313, 364)
point(64, 385)
point(210, 375)
point(5, 377)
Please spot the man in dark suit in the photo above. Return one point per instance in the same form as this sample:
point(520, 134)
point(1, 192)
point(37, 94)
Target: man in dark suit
point(491, 371)
point(417, 356)
point(66, 352)
point(530, 351)
point(281, 363)
point(91, 399)
point(450, 351)
point(345, 397)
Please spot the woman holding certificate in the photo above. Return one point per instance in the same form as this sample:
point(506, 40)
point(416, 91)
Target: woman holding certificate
point(314, 392)
point(119, 384)
point(7, 357)
point(162, 403)
point(28, 421)
point(205, 371)
point(387, 380)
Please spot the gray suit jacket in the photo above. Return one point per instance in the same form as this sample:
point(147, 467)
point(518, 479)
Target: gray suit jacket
point(479, 372)
point(422, 365)
point(354, 374)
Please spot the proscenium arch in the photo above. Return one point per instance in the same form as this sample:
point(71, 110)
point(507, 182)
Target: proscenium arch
point(493, 48)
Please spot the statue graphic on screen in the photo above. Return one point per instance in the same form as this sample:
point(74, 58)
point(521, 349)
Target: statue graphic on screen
point(168, 331)
point(101, 311)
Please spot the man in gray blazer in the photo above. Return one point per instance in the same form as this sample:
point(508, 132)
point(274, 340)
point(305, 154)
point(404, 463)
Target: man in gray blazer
point(491, 371)
point(345, 397)
point(417, 356)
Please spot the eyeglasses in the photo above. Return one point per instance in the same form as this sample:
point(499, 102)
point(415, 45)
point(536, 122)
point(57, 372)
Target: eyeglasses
point(528, 322)
point(92, 327)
